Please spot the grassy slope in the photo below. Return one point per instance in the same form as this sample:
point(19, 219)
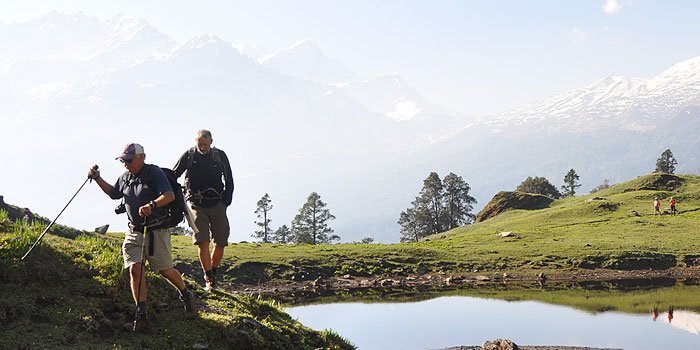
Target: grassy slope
point(73, 293)
point(571, 234)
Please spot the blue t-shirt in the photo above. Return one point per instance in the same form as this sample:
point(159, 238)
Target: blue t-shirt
point(138, 190)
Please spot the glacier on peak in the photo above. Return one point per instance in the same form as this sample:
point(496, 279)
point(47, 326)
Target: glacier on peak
point(611, 102)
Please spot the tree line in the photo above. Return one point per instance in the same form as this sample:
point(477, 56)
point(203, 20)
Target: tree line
point(441, 205)
point(310, 225)
point(666, 163)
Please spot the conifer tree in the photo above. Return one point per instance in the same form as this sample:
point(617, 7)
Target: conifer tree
point(414, 225)
point(311, 224)
point(264, 207)
point(282, 235)
point(431, 199)
point(439, 206)
point(666, 163)
point(570, 183)
point(539, 185)
point(458, 202)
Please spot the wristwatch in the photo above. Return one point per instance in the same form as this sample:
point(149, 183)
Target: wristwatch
point(153, 204)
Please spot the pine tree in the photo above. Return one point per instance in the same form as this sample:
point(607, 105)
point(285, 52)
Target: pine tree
point(282, 235)
point(431, 199)
point(414, 225)
point(458, 202)
point(264, 207)
point(311, 224)
point(539, 185)
point(666, 163)
point(439, 206)
point(570, 183)
point(604, 185)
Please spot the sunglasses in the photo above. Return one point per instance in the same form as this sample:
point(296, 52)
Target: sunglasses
point(126, 160)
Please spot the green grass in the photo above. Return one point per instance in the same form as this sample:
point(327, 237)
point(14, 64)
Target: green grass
point(73, 293)
point(571, 234)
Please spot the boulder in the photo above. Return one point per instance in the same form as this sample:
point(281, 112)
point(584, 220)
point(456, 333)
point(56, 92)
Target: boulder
point(500, 344)
point(504, 201)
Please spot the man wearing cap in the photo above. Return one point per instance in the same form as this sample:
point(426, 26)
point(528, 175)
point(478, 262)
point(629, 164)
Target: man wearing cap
point(145, 191)
point(209, 186)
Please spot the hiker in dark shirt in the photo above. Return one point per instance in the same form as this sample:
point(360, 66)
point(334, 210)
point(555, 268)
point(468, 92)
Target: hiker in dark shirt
point(145, 191)
point(209, 191)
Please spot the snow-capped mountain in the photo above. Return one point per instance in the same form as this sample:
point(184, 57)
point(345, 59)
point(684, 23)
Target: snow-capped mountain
point(611, 102)
point(252, 50)
point(305, 60)
point(391, 96)
point(55, 37)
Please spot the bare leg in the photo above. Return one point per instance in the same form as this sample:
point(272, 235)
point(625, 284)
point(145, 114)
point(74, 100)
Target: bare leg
point(173, 276)
point(204, 257)
point(136, 276)
point(216, 255)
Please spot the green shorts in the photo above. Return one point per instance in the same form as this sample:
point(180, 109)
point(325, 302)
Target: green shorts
point(211, 220)
point(162, 251)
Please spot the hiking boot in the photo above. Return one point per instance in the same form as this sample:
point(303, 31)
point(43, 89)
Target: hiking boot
point(209, 283)
point(138, 325)
point(190, 303)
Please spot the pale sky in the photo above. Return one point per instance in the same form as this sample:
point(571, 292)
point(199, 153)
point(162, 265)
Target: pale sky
point(476, 57)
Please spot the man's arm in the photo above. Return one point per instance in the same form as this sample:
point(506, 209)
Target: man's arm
point(108, 189)
point(181, 165)
point(227, 196)
point(160, 185)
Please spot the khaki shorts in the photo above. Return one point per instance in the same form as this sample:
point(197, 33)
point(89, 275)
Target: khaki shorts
point(211, 220)
point(160, 260)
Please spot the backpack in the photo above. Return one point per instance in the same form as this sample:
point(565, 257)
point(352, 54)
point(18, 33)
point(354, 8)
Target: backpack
point(176, 209)
point(214, 153)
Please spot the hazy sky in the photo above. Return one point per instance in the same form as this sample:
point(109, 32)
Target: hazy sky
point(472, 56)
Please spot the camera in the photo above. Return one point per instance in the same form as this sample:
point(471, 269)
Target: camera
point(120, 209)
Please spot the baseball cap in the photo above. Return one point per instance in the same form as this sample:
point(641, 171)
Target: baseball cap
point(130, 151)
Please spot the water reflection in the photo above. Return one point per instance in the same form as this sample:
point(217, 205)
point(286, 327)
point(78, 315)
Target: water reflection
point(611, 315)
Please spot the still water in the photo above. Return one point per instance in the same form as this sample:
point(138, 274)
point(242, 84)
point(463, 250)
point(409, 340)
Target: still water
point(447, 321)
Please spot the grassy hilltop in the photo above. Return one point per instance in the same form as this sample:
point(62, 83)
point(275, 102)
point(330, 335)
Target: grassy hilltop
point(572, 234)
point(72, 293)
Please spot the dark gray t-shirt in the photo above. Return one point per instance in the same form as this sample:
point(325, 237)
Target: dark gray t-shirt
point(137, 190)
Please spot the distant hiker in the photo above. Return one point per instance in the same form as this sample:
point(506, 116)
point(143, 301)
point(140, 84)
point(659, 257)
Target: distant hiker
point(657, 206)
point(209, 191)
point(145, 190)
point(654, 313)
point(670, 313)
point(672, 202)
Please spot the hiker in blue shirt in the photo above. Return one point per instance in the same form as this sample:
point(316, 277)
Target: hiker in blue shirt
point(145, 191)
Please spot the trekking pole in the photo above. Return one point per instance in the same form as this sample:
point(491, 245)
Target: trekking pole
point(54, 220)
point(143, 263)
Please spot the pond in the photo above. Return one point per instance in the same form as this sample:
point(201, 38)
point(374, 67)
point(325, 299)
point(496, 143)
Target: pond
point(605, 316)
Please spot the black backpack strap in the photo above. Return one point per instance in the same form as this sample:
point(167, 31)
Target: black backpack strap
point(217, 158)
point(190, 158)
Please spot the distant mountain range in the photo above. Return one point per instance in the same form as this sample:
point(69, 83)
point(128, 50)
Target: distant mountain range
point(295, 121)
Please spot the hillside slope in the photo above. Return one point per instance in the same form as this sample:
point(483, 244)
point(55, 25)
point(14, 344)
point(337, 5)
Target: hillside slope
point(73, 293)
point(572, 238)
point(614, 228)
